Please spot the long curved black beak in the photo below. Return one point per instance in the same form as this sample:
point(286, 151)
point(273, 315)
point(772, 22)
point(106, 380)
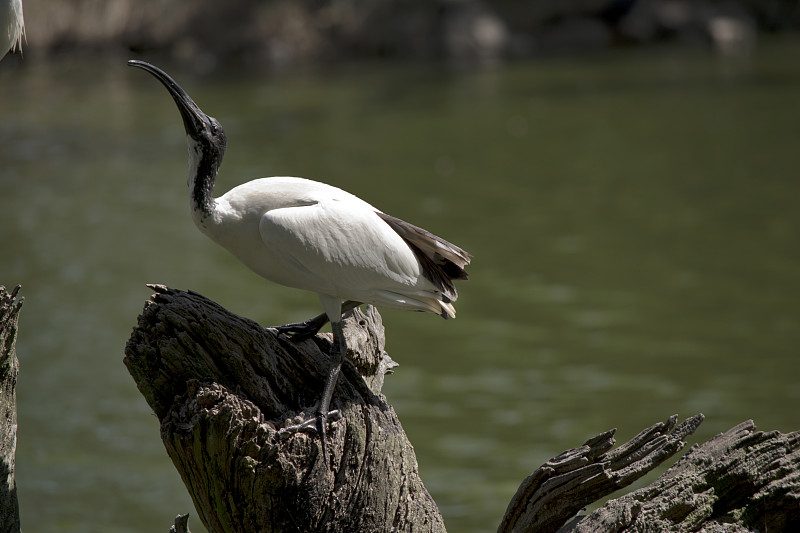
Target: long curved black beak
point(194, 120)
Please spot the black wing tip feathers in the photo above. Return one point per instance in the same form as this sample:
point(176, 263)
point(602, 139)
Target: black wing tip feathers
point(442, 262)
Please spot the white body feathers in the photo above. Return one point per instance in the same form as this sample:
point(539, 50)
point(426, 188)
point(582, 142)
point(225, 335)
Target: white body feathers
point(313, 236)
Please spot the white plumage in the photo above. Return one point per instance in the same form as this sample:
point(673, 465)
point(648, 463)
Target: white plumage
point(312, 236)
point(316, 237)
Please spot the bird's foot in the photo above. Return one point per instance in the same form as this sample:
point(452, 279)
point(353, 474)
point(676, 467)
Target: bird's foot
point(338, 353)
point(317, 424)
point(301, 331)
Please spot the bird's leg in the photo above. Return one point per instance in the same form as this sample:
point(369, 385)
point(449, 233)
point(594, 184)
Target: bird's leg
point(338, 353)
point(308, 328)
point(321, 412)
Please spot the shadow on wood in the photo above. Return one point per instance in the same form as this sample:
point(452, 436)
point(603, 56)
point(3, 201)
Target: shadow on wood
point(223, 387)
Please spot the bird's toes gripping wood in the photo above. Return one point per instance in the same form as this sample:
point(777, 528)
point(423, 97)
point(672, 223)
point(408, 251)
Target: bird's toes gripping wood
point(301, 331)
point(319, 421)
point(316, 424)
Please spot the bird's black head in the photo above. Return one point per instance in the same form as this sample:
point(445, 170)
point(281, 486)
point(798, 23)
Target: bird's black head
point(202, 128)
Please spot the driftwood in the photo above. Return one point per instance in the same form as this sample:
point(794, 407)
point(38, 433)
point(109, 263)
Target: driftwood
point(590, 473)
point(224, 388)
point(740, 480)
point(10, 307)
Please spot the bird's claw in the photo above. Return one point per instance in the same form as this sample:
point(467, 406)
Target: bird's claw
point(311, 424)
point(316, 424)
point(299, 331)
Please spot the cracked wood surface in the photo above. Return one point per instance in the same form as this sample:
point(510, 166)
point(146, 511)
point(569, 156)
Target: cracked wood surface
point(222, 387)
point(740, 480)
point(560, 488)
point(10, 307)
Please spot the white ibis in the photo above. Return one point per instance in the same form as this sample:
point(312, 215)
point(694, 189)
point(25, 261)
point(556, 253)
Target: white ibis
point(12, 26)
point(313, 236)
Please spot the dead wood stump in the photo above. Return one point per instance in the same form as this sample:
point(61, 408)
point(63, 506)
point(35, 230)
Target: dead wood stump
point(10, 307)
point(222, 387)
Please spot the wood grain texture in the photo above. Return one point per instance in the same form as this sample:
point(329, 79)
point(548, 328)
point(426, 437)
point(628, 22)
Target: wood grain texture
point(223, 387)
point(10, 307)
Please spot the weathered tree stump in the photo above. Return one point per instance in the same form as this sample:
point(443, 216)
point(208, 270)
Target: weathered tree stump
point(10, 307)
point(223, 388)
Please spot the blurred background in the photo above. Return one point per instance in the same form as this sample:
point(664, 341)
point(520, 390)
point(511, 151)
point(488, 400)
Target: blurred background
point(625, 174)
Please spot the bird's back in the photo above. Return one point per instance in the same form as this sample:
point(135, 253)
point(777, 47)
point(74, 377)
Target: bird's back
point(265, 194)
point(314, 236)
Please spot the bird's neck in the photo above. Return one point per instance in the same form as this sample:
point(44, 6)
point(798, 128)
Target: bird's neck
point(203, 168)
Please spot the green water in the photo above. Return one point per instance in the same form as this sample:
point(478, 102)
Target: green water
point(633, 219)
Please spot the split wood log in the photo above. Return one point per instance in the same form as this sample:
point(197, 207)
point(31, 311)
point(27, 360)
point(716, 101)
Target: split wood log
point(741, 480)
point(223, 387)
point(10, 307)
point(560, 488)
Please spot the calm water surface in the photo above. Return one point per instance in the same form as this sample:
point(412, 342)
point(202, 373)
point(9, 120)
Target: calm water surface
point(633, 219)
